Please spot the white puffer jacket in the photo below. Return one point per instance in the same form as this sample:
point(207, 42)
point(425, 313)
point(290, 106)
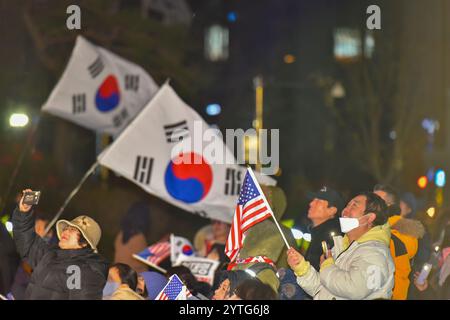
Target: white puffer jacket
point(363, 270)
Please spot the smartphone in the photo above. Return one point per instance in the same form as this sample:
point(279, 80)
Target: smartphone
point(325, 249)
point(31, 197)
point(426, 269)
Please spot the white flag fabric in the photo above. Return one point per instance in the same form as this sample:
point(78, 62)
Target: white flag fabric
point(100, 90)
point(180, 246)
point(143, 153)
point(202, 268)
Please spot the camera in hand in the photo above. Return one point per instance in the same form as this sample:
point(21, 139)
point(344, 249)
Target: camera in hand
point(31, 197)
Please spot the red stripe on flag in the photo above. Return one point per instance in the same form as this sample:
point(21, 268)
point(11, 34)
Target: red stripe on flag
point(251, 214)
point(235, 236)
point(262, 218)
point(238, 213)
point(254, 204)
point(160, 252)
point(233, 232)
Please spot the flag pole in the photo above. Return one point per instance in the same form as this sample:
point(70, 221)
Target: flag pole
point(71, 195)
point(268, 206)
point(172, 253)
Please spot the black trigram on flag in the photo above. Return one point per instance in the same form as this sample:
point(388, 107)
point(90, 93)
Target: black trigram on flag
point(132, 82)
point(120, 118)
point(201, 213)
point(143, 169)
point(177, 131)
point(233, 182)
point(96, 67)
point(78, 103)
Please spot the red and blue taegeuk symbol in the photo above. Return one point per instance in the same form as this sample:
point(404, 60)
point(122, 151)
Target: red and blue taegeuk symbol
point(188, 181)
point(187, 250)
point(108, 94)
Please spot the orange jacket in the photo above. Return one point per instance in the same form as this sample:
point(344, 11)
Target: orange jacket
point(403, 246)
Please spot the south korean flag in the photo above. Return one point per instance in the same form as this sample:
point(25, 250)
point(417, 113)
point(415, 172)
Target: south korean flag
point(100, 90)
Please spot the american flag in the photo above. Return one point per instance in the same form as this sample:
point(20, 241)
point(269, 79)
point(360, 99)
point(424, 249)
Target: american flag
point(174, 290)
point(251, 209)
point(156, 253)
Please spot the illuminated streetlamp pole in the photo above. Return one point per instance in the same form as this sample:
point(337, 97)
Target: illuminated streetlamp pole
point(258, 124)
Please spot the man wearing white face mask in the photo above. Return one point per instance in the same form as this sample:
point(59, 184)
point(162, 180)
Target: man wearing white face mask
point(360, 265)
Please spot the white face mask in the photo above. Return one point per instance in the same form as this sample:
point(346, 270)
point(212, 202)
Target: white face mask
point(348, 224)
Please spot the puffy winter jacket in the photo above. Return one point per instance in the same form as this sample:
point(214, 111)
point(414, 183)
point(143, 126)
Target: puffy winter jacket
point(361, 270)
point(54, 268)
point(403, 246)
point(9, 260)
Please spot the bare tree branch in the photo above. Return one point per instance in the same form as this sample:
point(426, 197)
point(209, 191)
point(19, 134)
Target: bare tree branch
point(38, 40)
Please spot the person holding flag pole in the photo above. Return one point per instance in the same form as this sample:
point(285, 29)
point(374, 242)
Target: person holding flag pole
point(256, 242)
point(252, 208)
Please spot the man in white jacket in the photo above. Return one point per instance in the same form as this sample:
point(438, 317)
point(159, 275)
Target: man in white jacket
point(360, 266)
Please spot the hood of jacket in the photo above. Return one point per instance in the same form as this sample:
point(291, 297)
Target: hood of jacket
point(410, 227)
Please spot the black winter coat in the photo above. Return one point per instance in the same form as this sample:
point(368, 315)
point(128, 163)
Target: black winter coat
point(320, 233)
point(9, 260)
point(53, 271)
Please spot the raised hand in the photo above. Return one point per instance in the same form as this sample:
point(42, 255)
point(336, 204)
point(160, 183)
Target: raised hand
point(294, 257)
point(24, 208)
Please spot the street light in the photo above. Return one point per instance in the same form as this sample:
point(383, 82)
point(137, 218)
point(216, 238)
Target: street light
point(431, 212)
point(439, 179)
point(422, 182)
point(18, 120)
point(289, 58)
point(213, 109)
point(258, 123)
point(337, 90)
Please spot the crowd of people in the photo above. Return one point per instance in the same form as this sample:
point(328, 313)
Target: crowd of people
point(371, 247)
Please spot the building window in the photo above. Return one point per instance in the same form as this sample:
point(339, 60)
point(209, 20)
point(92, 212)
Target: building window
point(347, 44)
point(216, 43)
